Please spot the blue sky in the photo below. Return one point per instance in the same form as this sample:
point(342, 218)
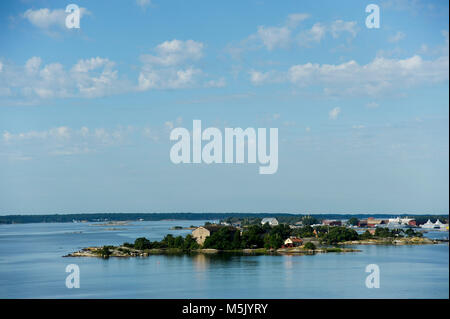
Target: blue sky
point(85, 114)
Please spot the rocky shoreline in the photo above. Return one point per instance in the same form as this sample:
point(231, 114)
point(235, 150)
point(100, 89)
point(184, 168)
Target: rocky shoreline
point(122, 251)
point(394, 241)
point(126, 251)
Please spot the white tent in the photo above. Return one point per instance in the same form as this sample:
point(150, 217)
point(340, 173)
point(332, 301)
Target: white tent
point(428, 224)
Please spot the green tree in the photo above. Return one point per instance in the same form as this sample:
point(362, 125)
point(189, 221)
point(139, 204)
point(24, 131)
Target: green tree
point(105, 251)
point(283, 230)
point(221, 239)
point(190, 243)
point(178, 242)
point(305, 231)
point(273, 240)
point(310, 246)
point(169, 241)
point(142, 243)
point(339, 234)
point(237, 240)
point(253, 237)
point(365, 235)
point(353, 221)
point(309, 220)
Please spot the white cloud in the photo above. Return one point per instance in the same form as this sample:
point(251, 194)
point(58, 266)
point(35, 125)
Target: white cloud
point(173, 67)
point(333, 114)
point(258, 78)
point(168, 78)
point(32, 65)
point(273, 37)
point(64, 140)
point(295, 18)
point(292, 31)
point(175, 52)
point(313, 35)
point(90, 85)
point(396, 37)
point(47, 19)
point(380, 75)
point(358, 126)
point(88, 78)
point(339, 26)
point(59, 133)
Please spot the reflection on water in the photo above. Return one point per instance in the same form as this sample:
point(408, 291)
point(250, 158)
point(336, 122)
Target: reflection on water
point(200, 262)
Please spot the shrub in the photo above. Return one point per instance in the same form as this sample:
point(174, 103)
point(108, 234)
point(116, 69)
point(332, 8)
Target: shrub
point(104, 252)
point(310, 246)
point(142, 243)
point(339, 234)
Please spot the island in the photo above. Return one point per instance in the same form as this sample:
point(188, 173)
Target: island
point(267, 237)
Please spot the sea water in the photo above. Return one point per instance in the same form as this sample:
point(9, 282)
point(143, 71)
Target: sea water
point(32, 266)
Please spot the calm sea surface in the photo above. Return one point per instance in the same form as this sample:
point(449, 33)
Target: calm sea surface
point(31, 266)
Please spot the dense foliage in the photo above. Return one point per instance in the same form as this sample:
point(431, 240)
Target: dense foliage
point(105, 251)
point(184, 243)
point(254, 236)
point(310, 246)
point(382, 232)
point(265, 236)
point(305, 231)
point(227, 238)
point(353, 221)
point(338, 234)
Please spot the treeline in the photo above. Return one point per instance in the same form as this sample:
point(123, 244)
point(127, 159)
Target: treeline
point(103, 217)
point(381, 232)
point(257, 236)
point(254, 236)
point(245, 218)
point(284, 219)
point(184, 243)
point(265, 236)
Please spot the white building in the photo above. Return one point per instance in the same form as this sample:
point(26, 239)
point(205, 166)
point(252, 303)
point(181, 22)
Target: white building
point(437, 225)
point(271, 221)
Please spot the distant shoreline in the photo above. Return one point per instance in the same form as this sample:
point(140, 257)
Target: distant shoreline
point(116, 217)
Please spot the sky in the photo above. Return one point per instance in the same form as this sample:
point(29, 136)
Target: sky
point(86, 114)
